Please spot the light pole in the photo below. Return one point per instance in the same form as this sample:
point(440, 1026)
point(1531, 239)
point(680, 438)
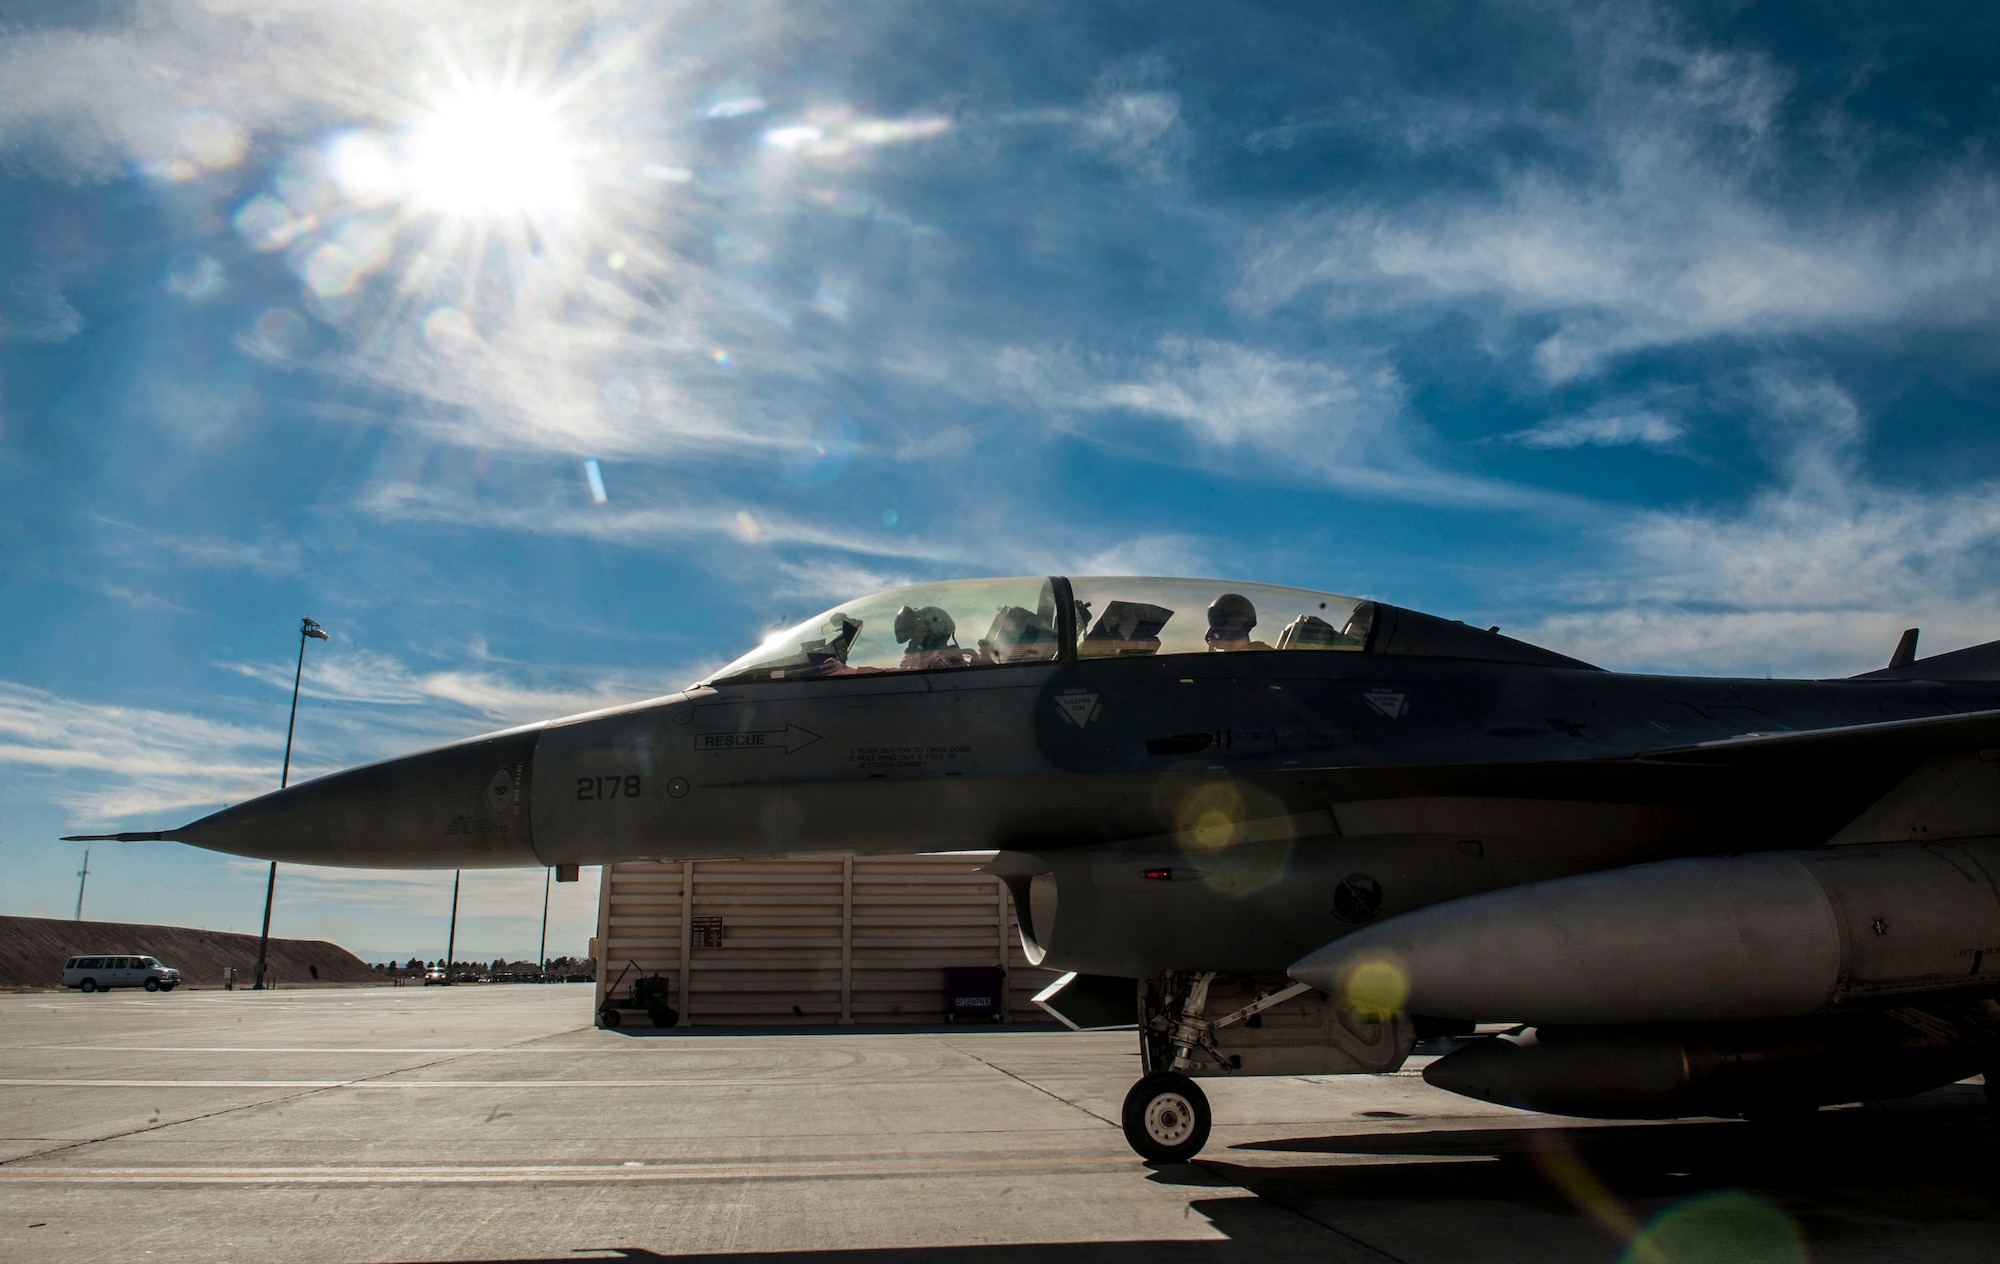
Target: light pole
point(541, 957)
point(307, 628)
point(451, 936)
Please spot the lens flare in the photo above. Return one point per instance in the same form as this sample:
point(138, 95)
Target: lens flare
point(1213, 829)
point(203, 141)
point(362, 164)
point(352, 252)
point(1377, 988)
point(494, 152)
point(279, 333)
point(448, 330)
point(212, 140)
point(194, 275)
point(267, 223)
point(825, 453)
point(1571, 1176)
point(1726, 1226)
point(1210, 816)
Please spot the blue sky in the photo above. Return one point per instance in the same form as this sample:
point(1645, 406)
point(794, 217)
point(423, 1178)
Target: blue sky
point(1664, 336)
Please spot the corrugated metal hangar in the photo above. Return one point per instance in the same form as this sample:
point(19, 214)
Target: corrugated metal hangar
point(866, 939)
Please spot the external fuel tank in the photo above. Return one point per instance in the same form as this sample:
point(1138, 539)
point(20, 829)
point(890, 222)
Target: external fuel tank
point(1782, 934)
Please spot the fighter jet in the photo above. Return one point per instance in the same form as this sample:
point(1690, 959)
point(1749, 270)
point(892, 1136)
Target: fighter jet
point(1290, 832)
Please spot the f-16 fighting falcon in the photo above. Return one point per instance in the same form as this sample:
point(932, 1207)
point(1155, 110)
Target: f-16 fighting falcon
point(1289, 833)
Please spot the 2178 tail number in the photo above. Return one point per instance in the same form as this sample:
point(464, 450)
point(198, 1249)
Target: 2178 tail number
point(626, 787)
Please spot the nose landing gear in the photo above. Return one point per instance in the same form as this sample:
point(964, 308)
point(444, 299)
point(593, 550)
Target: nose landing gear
point(1264, 1026)
point(1166, 1117)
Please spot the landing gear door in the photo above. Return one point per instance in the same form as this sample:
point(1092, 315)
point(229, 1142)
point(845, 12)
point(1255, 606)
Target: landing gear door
point(1091, 1002)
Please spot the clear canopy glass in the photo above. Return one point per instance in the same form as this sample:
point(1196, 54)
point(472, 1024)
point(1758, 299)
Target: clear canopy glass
point(1124, 616)
point(970, 623)
point(926, 627)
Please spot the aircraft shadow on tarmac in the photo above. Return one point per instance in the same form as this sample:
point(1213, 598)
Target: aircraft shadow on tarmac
point(710, 1031)
point(1854, 1180)
point(1836, 1172)
point(1254, 1232)
point(1936, 1136)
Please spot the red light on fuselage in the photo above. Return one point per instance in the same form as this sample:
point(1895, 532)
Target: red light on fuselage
point(1159, 875)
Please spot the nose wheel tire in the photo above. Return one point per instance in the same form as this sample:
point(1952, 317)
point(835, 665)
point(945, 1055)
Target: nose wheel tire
point(1166, 1118)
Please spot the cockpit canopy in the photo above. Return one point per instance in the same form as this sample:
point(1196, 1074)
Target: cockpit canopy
point(969, 623)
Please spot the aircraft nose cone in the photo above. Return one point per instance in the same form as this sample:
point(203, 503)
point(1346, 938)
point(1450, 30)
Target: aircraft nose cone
point(464, 806)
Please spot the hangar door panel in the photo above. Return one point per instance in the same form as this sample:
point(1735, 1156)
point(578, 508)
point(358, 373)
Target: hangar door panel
point(820, 941)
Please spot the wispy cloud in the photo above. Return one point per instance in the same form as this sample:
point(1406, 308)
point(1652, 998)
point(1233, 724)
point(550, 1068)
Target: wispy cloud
point(417, 892)
point(1345, 423)
point(499, 909)
point(1602, 429)
point(137, 600)
point(271, 554)
point(1817, 575)
point(1159, 553)
point(1661, 228)
point(1226, 394)
point(689, 517)
point(33, 307)
point(367, 678)
point(1135, 118)
point(104, 762)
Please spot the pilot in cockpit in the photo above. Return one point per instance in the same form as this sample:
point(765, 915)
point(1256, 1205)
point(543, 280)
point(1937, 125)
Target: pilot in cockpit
point(1230, 618)
point(929, 638)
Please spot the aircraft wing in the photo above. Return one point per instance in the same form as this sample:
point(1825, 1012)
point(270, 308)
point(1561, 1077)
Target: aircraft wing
point(1890, 739)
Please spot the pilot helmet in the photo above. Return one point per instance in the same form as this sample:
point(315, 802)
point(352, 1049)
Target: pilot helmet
point(925, 628)
point(1230, 618)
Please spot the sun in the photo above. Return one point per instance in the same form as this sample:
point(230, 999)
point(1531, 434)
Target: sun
point(491, 153)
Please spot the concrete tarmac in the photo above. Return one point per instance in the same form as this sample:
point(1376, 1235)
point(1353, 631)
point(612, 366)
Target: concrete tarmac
point(494, 1123)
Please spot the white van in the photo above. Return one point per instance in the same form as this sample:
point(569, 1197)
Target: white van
point(101, 974)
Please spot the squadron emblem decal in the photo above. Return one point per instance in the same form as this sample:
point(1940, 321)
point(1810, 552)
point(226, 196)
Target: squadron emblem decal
point(1078, 708)
point(1357, 898)
point(1393, 705)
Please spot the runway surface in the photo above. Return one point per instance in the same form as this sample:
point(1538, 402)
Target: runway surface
point(494, 1123)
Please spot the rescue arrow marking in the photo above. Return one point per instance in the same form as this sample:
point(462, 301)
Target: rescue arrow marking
point(787, 739)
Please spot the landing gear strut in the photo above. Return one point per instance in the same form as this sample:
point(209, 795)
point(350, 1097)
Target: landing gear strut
point(1166, 1116)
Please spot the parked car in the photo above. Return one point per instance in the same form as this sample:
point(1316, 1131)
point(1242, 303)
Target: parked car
point(101, 974)
point(436, 974)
